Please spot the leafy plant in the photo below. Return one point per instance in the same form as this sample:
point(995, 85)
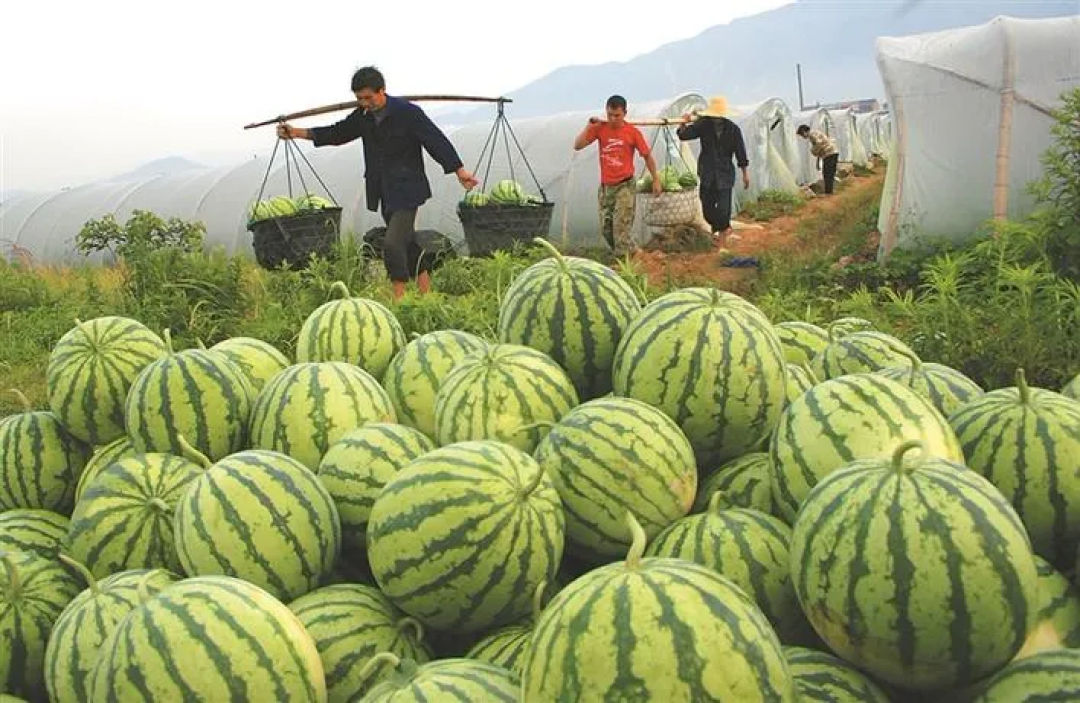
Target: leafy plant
point(142, 233)
point(1058, 190)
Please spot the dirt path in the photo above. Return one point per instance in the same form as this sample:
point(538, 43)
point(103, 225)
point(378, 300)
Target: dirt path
point(813, 229)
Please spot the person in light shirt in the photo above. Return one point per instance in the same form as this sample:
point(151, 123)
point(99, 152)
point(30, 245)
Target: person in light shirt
point(824, 148)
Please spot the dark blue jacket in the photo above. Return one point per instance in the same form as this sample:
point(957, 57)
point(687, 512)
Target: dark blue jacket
point(393, 162)
point(720, 140)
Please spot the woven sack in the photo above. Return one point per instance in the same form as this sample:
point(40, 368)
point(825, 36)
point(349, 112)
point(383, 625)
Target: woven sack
point(672, 208)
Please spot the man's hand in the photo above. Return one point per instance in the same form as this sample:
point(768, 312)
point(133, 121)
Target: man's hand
point(466, 179)
point(746, 181)
point(287, 131)
point(657, 186)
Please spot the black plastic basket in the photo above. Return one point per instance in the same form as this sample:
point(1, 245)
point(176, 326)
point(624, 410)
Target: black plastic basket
point(491, 228)
point(292, 239)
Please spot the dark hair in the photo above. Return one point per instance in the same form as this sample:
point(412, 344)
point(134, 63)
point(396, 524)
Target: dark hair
point(803, 128)
point(368, 77)
point(616, 102)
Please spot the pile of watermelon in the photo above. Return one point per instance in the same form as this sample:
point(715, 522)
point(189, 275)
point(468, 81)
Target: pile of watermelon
point(607, 500)
point(503, 193)
point(672, 180)
point(284, 206)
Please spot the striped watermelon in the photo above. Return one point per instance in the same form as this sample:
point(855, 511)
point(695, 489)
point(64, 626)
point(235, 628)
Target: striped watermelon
point(947, 388)
point(211, 638)
point(357, 331)
point(33, 592)
point(843, 326)
point(260, 361)
point(1058, 620)
point(748, 547)
point(823, 677)
point(501, 393)
point(90, 371)
point(611, 455)
point(1027, 442)
point(101, 459)
point(40, 461)
point(1043, 678)
point(260, 516)
point(350, 624)
point(125, 518)
point(357, 466)
point(195, 393)
point(744, 482)
point(416, 372)
point(801, 341)
point(858, 416)
point(573, 309)
point(87, 622)
point(799, 380)
point(1072, 388)
point(654, 629)
point(461, 537)
point(32, 530)
point(505, 647)
point(861, 352)
point(915, 569)
point(308, 407)
point(456, 679)
point(712, 362)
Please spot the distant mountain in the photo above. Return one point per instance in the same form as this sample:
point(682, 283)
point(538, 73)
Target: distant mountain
point(754, 58)
point(159, 167)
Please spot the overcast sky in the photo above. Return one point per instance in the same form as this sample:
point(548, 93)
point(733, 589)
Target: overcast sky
point(92, 89)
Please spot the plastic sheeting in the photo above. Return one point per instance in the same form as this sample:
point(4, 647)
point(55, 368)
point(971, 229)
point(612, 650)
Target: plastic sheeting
point(768, 129)
point(871, 129)
point(970, 117)
point(847, 138)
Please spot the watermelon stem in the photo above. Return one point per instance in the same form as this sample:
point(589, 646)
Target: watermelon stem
point(714, 502)
point(533, 483)
point(84, 572)
point(142, 588)
point(166, 335)
point(558, 255)
point(23, 400)
point(340, 287)
point(810, 372)
point(407, 622)
point(538, 599)
point(377, 661)
point(1022, 386)
point(159, 504)
point(192, 453)
point(638, 542)
point(14, 583)
point(539, 424)
point(904, 448)
point(198, 340)
point(86, 333)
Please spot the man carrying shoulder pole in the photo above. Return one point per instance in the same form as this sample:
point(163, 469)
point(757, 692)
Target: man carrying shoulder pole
point(720, 139)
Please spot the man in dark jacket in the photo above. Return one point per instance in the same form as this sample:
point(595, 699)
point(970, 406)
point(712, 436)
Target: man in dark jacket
point(394, 131)
point(720, 140)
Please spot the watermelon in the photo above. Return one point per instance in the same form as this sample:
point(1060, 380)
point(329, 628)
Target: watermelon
point(211, 638)
point(1058, 619)
point(475, 198)
point(507, 192)
point(32, 530)
point(195, 393)
point(712, 362)
point(915, 569)
point(654, 629)
point(947, 388)
point(1072, 388)
point(101, 459)
point(282, 206)
point(506, 392)
point(259, 211)
point(801, 341)
point(1047, 676)
point(34, 591)
point(799, 380)
point(90, 371)
point(843, 326)
point(260, 361)
point(260, 516)
point(308, 201)
point(308, 407)
point(40, 461)
point(461, 537)
point(357, 466)
point(125, 517)
point(748, 547)
point(416, 372)
point(87, 622)
point(350, 624)
point(456, 679)
point(355, 330)
point(857, 416)
point(574, 310)
point(505, 647)
point(744, 482)
point(1027, 442)
point(823, 677)
point(861, 352)
point(611, 455)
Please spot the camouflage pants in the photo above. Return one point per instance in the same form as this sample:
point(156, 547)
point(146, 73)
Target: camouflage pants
point(617, 204)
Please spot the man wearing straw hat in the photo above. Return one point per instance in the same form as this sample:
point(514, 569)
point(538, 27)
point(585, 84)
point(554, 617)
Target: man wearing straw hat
point(617, 197)
point(720, 140)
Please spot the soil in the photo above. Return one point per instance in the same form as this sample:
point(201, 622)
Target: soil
point(806, 232)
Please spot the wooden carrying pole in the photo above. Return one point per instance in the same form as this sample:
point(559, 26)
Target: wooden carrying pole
point(353, 104)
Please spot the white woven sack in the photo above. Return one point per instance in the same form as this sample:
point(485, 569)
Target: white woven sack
point(672, 208)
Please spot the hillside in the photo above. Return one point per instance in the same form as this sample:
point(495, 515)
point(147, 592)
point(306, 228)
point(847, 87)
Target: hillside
point(754, 57)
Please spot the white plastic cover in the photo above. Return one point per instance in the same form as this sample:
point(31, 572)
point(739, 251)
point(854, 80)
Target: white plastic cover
point(768, 129)
point(821, 120)
point(847, 137)
point(959, 98)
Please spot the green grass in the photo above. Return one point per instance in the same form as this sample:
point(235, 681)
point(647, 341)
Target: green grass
point(771, 204)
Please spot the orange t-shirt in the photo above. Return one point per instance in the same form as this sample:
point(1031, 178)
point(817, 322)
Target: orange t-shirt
point(617, 150)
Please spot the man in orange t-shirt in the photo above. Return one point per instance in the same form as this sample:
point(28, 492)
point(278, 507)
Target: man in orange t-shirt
point(618, 141)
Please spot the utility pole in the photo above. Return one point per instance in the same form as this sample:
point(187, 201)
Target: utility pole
point(798, 74)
